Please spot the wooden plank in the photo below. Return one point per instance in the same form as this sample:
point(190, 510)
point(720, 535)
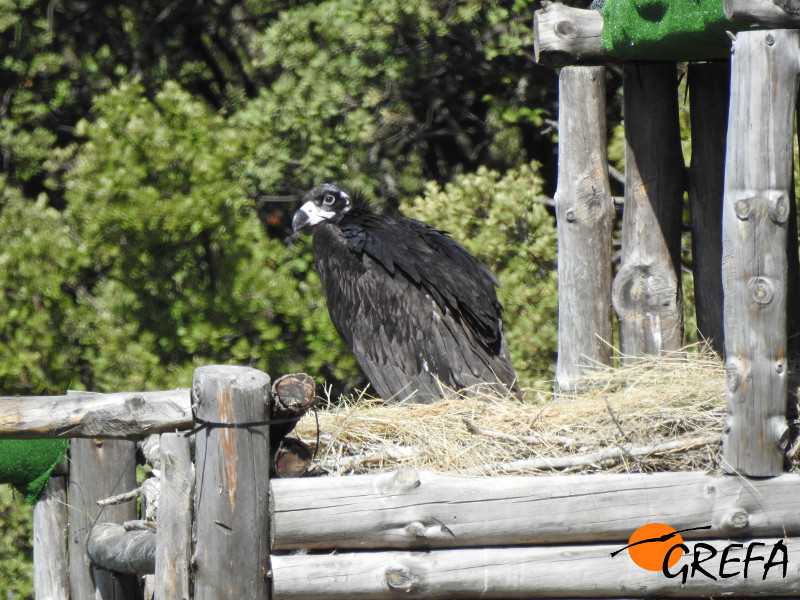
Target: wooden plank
point(758, 175)
point(767, 13)
point(112, 547)
point(50, 563)
point(91, 415)
point(232, 484)
point(99, 469)
point(410, 509)
point(646, 293)
point(585, 216)
point(563, 35)
point(709, 84)
point(174, 550)
point(538, 572)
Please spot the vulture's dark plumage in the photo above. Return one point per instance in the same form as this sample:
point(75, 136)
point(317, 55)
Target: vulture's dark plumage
point(418, 311)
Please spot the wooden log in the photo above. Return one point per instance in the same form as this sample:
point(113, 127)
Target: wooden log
point(114, 548)
point(779, 14)
point(409, 509)
point(232, 484)
point(292, 396)
point(293, 458)
point(563, 35)
point(709, 85)
point(538, 572)
point(585, 216)
point(174, 541)
point(646, 293)
point(50, 522)
point(91, 415)
point(758, 173)
point(98, 469)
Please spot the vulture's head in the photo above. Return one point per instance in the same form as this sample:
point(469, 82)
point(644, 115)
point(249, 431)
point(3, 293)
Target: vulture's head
point(325, 202)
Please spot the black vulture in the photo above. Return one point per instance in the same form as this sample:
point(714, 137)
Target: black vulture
point(418, 311)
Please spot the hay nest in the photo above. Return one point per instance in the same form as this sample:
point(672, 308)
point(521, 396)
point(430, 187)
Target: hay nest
point(658, 414)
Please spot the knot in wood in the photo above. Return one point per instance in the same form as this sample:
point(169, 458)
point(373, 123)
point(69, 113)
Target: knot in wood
point(570, 215)
point(401, 579)
point(564, 29)
point(778, 208)
point(405, 479)
point(736, 519)
point(733, 376)
point(744, 208)
point(769, 39)
point(761, 290)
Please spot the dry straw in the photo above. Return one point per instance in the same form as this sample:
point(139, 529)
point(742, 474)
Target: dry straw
point(657, 414)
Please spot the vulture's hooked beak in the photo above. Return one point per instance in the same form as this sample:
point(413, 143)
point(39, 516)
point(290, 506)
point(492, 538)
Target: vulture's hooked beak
point(308, 215)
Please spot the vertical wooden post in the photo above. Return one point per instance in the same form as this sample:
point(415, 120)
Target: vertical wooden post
point(99, 469)
point(647, 290)
point(50, 564)
point(585, 214)
point(758, 173)
point(232, 484)
point(174, 541)
point(709, 86)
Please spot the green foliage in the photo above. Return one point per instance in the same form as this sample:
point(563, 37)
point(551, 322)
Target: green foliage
point(497, 218)
point(16, 546)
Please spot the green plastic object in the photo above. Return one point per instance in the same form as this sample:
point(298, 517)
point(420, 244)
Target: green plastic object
point(679, 30)
point(27, 464)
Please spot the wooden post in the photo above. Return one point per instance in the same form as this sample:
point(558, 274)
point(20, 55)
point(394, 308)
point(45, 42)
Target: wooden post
point(174, 540)
point(768, 13)
point(585, 215)
point(647, 290)
point(758, 173)
point(563, 35)
point(120, 550)
point(232, 484)
point(50, 564)
point(98, 469)
point(709, 85)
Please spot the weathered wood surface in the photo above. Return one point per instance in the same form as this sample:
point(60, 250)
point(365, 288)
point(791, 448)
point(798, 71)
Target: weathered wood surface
point(50, 563)
point(114, 548)
point(98, 469)
point(709, 84)
point(585, 216)
point(93, 415)
point(538, 572)
point(766, 13)
point(174, 549)
point(410, 509)
point(231, 484)
point(292, 396)
point(646, 292)
point(563, 35)
point(292, 458)
point(758, 176)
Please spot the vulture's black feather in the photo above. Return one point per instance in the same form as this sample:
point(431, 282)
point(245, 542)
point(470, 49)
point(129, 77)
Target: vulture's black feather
point(418, 311)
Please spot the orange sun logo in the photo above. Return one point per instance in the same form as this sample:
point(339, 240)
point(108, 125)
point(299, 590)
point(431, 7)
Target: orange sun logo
point(648, 546)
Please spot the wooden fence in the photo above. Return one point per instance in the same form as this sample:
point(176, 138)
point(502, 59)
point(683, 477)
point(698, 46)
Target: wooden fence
point(224, 530)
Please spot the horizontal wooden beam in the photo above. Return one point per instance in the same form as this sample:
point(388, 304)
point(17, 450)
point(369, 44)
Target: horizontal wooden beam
point(539, 572)
point(780, 14)
point(114, 548)
point(412, 510)
point(563, 35)
point(92, 415)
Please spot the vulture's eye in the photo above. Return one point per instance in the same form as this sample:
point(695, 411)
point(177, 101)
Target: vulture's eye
point(328, 200)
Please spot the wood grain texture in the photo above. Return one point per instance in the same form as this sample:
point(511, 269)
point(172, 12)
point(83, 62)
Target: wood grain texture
point(538, 572)
point(231, 484)
point(646, 292)
point(91, 415)
point(174, 550)
point(585, 216)
point(758, 177)
point(409, 509)
point(766, 13)
point(563, 35)
point(112, 547)
point(50, 522)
